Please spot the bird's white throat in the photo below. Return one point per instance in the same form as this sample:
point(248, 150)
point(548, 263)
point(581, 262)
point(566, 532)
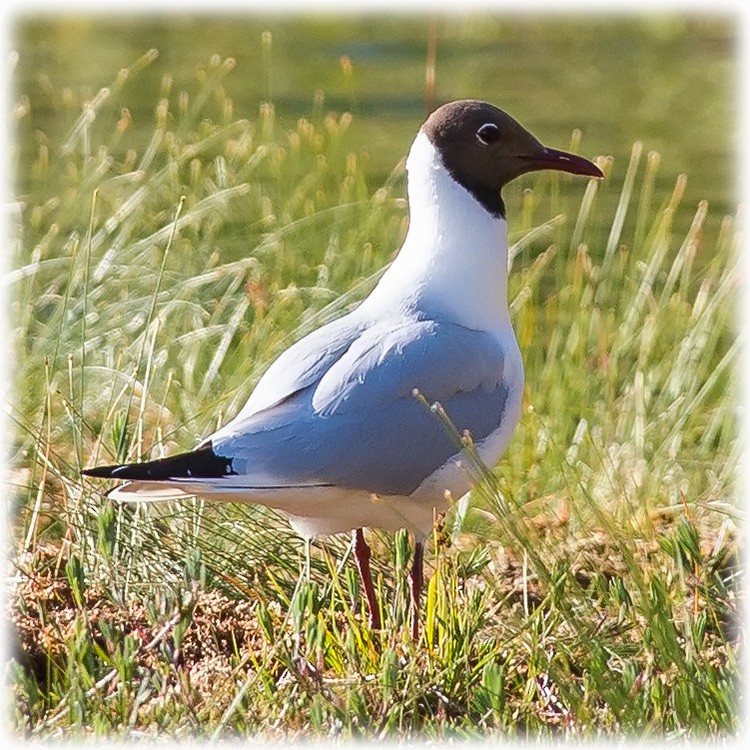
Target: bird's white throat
point(453, 263)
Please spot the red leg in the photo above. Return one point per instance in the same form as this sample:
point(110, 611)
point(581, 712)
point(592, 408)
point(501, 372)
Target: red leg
point(362, 556)
point(416, 579)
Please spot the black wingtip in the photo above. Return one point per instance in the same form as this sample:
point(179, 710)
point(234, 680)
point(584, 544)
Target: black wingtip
point(105, 472)
point(201, 463)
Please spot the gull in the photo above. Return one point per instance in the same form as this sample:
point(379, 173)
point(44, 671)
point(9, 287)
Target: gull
point(337, 435)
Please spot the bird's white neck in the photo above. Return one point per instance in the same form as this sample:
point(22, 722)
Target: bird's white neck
point(453, 263)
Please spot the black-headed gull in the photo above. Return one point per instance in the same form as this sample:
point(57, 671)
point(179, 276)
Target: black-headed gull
point(336, 435)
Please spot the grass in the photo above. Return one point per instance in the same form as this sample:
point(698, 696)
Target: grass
point(590, 588)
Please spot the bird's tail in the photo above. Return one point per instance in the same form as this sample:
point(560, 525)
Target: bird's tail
point(145, 492)
point(155, 480)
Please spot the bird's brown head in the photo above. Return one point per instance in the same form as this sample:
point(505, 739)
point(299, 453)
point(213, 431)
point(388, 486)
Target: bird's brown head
point(484, 148)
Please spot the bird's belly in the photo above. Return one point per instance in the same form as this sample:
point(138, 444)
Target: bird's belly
point(354, 509)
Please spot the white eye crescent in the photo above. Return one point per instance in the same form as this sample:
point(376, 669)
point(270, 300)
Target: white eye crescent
point(488, 133)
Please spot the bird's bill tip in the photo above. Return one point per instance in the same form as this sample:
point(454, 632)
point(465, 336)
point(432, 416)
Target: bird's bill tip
point(550, 158)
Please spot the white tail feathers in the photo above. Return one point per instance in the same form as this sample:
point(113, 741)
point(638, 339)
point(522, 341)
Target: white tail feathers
point(143, 492)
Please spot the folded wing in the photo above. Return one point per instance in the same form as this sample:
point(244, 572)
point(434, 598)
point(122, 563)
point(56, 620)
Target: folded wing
point(361, 426)
point(339, 408)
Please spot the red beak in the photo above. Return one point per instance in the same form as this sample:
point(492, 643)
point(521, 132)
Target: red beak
point(550, 158)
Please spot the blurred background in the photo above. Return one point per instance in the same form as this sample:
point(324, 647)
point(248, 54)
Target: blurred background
point(668, 80)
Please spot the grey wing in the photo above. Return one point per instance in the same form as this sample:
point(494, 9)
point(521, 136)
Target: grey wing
point(302, 364)
point(360, 425)
point(386, 363)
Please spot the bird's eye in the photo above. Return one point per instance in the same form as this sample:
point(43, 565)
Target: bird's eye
point(488, 133)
